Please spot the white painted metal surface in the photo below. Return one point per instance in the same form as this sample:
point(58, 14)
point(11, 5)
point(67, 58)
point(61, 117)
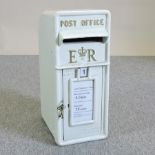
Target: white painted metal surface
point(74, 74)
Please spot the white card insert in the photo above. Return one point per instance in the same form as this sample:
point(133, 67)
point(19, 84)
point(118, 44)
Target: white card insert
point(81, 101)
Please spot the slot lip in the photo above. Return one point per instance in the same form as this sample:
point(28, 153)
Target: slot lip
point(96, 35)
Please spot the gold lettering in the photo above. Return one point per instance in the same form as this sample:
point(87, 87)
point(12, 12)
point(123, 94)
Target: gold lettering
point(102, 21)
point(91, 55)
point(85, 22)
point(74, 23)
point(92, 22)
point(97, 22)
point(68, 23)
point(72, 56)
point(61, 23)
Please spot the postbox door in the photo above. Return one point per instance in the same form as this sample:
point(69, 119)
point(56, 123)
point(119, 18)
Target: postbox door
point(82, 100)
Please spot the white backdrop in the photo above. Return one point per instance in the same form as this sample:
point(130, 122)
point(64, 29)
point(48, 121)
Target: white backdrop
point(133, 24)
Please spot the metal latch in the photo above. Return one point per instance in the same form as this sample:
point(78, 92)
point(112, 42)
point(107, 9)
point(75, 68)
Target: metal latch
point(60, 110)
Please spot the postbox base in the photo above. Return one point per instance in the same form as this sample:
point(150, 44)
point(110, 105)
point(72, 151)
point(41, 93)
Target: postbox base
point(81, 140)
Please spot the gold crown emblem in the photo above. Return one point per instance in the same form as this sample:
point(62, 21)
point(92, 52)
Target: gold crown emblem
point(82, 52)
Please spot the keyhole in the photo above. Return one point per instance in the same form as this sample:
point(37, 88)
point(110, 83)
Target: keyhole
point(84, 71)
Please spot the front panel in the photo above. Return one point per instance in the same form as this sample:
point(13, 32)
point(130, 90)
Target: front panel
point(82, 53)
point(82, 101)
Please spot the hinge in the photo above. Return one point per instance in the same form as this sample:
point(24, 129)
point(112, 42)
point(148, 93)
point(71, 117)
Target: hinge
point(60, 110)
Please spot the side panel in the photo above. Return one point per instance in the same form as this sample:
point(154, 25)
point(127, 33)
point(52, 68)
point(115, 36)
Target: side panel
point(48, 74)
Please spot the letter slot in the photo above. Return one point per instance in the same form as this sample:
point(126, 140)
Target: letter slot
point(100, 36)
point(74, 74)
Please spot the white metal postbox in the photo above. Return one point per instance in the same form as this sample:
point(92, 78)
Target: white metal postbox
point(74, 74)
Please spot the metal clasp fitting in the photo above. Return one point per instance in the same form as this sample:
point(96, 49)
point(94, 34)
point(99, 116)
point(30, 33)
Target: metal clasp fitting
point(60, 110)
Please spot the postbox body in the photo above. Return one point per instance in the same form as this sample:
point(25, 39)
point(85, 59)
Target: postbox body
point(74, 74)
